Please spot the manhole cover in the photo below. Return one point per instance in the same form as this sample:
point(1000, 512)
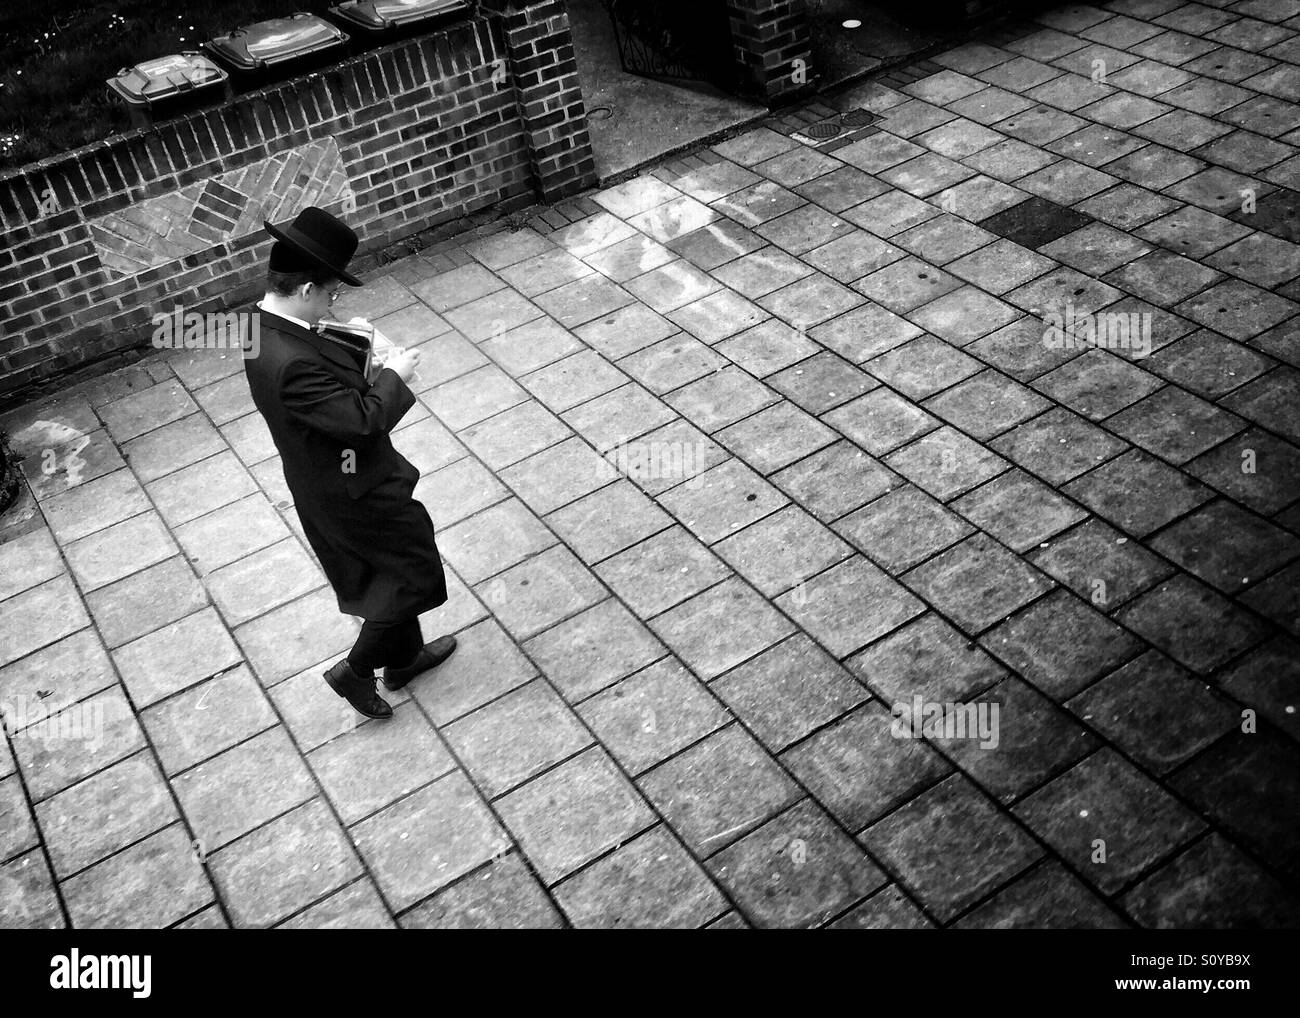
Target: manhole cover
point(858, 118)
point(826, 129)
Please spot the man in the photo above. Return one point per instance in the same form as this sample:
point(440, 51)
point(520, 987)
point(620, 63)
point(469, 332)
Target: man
point(351, 488)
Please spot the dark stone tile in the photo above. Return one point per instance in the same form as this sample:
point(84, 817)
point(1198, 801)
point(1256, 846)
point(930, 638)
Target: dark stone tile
point(662, 571)
point(504, 895)
point(284, 866)
point(1018, 349)
point(836, 480)
point(922, 366)
point(1100, 564)
point(1057, 446)
point(1047, 897)
point(1097, 384)
point(369, 767)
point(1237, 309)
point(929, 658)
point(1277, 212)
point(1208, 364)
point(1060, 644)
point(357, 906)
point(653, 714)
point(789, 690)
point(1226, 546)
point(986, 404)
point(1192, 623)
point(859, 770)
point(849, 605)
point(649, 883)
point(889, 909)
point(950, 846)
point(881, 421)
point(1213, 885)
point(509, 740)
point(573, 814)
point(946, 463)
point(718, 789)
point(1137, 492)
point(1240, 782)
point(798, 870)
point(716, 630)
point(1026, 741)
point(244, 787)
point(776, 437)
point(821, 382)
point(1278, 598)
point(1018, 510)
point(1105, 799)
point(1270, 401)
point(1156, 711)
point(1035, 222)
point(721, 398)
point(152, 884)
point(901, 528)
point(1174, 424)
point(1268, 680)
point(976, 583)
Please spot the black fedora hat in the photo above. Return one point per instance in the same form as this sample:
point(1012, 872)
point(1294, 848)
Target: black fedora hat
point(316, 238)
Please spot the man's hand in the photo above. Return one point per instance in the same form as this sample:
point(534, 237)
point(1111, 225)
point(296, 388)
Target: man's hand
point(404, 363)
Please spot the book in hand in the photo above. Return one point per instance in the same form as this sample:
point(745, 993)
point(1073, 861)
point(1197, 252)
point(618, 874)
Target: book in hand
point(362, 337)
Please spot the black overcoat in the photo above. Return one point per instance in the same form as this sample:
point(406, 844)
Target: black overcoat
point(352, 490)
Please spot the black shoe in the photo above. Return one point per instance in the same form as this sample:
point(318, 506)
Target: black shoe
point(430, 656)
point(357, 691)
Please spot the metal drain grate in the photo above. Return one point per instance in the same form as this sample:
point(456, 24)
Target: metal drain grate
point(822, 131)
point(858, 118)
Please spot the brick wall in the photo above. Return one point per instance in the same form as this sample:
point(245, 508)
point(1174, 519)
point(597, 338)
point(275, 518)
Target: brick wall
point(773, 47)
point(539, 45)
point(396, 141)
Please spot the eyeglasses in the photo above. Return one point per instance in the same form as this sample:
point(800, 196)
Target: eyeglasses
point(332, 294)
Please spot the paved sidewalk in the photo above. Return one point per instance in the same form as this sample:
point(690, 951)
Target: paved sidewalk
point(726, 462)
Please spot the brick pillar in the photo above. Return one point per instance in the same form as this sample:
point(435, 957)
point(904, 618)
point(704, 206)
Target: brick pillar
point(542, 66)
point(773, 47)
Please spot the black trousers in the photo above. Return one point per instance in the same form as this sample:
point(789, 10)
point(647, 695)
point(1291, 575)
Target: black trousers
point(381, 644)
